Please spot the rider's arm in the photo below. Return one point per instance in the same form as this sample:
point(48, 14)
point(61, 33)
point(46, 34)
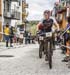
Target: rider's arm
point(38, 25)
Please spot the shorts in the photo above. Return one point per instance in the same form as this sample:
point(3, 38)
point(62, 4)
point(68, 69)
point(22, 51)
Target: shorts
point(7, 38)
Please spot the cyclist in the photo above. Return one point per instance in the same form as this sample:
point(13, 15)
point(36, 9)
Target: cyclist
point(46, 24)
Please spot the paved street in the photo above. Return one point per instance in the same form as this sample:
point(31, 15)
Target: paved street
point(25, 61)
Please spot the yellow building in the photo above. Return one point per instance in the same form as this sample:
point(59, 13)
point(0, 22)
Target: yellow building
point(0, 19)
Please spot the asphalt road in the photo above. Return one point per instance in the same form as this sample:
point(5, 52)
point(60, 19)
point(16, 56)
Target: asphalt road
point(25, 61)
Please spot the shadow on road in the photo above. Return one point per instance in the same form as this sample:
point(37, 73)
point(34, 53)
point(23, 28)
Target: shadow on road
point(5, 56)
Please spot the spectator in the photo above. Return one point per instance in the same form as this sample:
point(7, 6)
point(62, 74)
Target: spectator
point(18, 34)
point(11, 35)
point(26, 37)
point(7, 34)
point(29, 37)
point(66, 59)
point(21, 38)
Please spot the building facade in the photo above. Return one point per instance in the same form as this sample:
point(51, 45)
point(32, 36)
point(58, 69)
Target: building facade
point(0, 20)
point(11, 11)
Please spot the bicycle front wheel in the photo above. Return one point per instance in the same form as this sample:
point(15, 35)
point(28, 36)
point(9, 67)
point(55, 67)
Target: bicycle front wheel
point(50, 55)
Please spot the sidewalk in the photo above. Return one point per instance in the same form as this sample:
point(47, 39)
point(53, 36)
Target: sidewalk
point(3, 47)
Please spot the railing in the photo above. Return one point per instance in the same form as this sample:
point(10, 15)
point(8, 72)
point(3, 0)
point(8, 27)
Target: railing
point(12, 13)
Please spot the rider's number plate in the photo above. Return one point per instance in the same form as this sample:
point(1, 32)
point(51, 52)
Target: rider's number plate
point(40, 38)
point(49, 34)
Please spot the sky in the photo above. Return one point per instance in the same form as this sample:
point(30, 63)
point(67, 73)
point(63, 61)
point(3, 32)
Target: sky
point(36, 8)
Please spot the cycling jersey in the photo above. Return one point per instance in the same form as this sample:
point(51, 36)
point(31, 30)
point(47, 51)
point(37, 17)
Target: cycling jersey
point(47, 25)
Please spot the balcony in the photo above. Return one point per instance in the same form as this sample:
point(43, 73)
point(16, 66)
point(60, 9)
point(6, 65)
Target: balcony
point(15, 0)
point(24, 5)
point(12, 14)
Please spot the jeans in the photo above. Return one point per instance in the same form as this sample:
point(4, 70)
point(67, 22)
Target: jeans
point(7, 38)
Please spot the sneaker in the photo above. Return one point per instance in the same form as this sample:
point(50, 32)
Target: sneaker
point(63, 52)
point(11, 45)
point(66, 59)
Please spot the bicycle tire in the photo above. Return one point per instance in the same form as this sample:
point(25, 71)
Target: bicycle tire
point(49, 55)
